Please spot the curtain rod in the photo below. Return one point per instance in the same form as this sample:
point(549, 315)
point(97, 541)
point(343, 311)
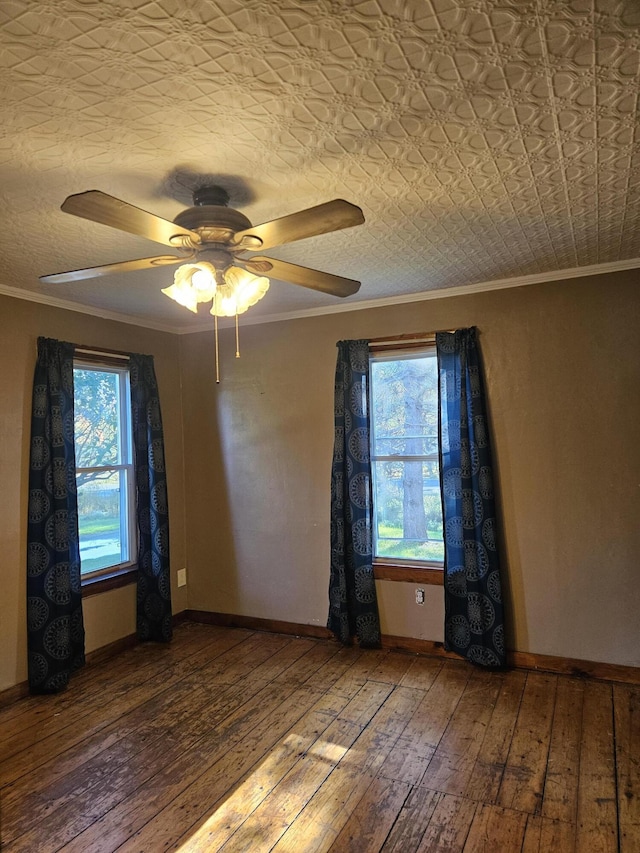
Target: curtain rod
point(85, 349)
point(412, 336)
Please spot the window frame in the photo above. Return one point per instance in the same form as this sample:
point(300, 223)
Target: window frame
point(391, 568)
point(120, 574)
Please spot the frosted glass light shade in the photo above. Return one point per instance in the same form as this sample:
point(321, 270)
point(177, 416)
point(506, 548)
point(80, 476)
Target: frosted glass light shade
point(184, 295)
point(240, 291)
point(192, 283)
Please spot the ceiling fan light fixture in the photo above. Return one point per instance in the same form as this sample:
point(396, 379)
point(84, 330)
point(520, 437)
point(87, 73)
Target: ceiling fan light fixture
point(231, 291)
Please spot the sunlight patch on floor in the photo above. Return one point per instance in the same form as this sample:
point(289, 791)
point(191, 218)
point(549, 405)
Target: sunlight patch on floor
point(238, 807)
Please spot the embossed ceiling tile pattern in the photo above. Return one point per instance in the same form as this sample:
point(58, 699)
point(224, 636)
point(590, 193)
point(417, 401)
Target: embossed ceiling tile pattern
point(483, 138)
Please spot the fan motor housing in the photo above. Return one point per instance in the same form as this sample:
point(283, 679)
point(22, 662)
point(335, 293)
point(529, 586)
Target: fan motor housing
point(214, 223)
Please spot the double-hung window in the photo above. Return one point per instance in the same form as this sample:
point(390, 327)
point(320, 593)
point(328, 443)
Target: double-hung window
point(104, 467)
point(404, 457)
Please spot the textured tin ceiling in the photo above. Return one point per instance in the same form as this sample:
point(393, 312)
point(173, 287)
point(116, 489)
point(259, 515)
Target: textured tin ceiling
point(483, 140)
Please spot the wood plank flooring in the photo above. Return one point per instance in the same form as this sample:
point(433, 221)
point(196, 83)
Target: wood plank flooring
point(235, 740)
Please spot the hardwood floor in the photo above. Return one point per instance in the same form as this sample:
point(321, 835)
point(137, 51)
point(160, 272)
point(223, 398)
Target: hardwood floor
point(234, 740)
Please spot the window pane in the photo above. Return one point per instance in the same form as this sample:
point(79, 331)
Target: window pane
point(102, 441)
point(408, 511)
point(101, 501)
point(404, 417)
point(97, 418)
point(405, 406)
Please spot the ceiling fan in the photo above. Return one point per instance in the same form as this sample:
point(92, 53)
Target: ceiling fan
point(216, 247)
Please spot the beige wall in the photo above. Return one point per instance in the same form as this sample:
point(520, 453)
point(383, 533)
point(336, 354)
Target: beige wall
point(563, 374)
point(111, 615)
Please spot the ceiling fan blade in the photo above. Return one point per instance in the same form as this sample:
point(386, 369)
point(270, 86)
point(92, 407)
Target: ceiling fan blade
point(107, 210)
point(122, 266)
point(331, 216)
point(314, 279)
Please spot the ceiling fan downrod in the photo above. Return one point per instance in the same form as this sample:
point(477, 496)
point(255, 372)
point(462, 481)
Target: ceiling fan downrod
point(213, 195)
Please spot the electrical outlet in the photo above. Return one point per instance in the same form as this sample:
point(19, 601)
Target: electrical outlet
point(182, 577)
point(419, 596)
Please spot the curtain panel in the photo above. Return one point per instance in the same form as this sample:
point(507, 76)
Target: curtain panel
point(55, 628)
point(474, 615)
point(353, 606)
point(154, 619)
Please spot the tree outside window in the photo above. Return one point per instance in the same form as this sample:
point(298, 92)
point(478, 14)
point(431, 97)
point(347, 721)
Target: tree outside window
point(404, 456)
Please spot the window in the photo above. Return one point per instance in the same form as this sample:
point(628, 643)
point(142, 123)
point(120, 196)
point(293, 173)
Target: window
point(404, 458)
point(104, 467)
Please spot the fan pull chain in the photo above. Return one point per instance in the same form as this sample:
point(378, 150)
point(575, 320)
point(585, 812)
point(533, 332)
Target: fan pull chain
point(237, 338)
point(215, 326)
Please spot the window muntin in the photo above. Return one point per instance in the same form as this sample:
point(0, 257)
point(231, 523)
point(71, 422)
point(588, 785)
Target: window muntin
point(404, 457)
point(104, 467)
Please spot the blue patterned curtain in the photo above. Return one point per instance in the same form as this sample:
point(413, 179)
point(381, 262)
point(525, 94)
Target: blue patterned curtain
point(474, 618)
point(154, 621)
point(55, 629)
point(353, 606)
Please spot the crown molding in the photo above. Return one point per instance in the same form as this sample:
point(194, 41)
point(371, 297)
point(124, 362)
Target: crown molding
point(91, 310)
point(443, 293)
point(363, 305)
